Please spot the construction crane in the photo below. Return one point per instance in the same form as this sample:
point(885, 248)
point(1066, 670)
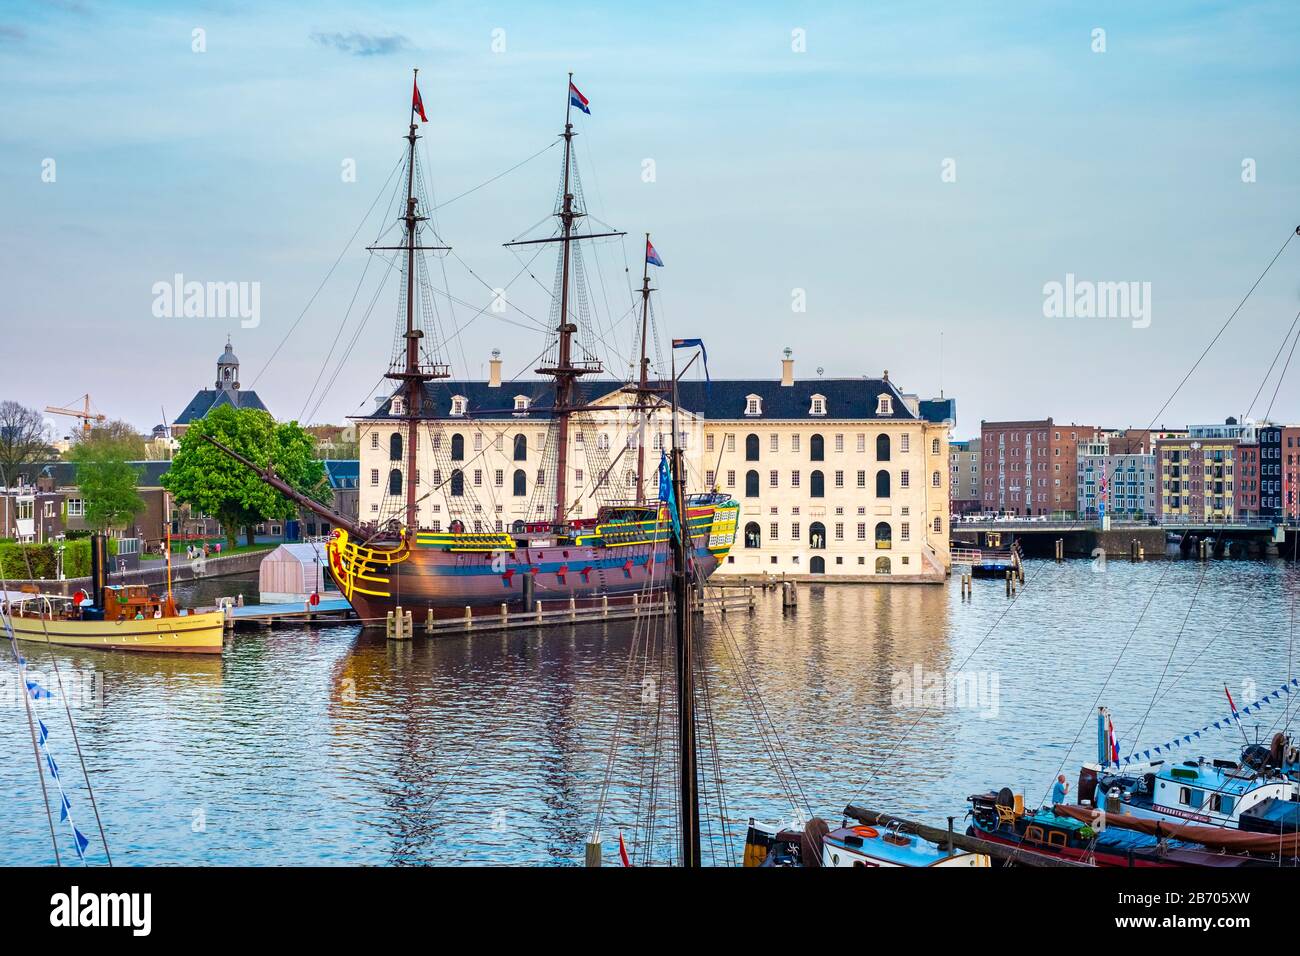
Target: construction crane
point(88, 418)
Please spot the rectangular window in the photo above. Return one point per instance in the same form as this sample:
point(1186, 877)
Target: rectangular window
point(499, 478)
point(862, 443)
point(794, 531)
point(731, 443)
point(904, 442)
point(731, 479)
point(708, 443)
point(904, 479)
point(478, 477)
point(772, 532)
point(794, 443)
point(374, 439)
point(839, 531)
point(774, 442)
point(905, 531)
point(794, 479)
point(839, 479)
point(862, 531)
point(577, 476)
point(708, 478)
point(839, 442)
point(478, 441)
point(862, 479)
point(772, 480)
point(75, 508)
point(374, 477)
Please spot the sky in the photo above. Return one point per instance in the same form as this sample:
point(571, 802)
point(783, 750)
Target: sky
point(873, 185)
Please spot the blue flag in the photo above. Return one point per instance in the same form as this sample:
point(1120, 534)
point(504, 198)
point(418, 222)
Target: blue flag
point(666, 496)
point(692, 344)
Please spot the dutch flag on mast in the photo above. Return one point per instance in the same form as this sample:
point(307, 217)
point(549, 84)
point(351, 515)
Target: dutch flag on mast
point(577, 99)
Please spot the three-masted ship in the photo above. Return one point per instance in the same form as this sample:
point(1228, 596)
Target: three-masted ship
point(556, 556)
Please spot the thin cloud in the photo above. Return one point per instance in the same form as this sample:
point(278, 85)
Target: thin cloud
point(363, 44)
point(8, 32)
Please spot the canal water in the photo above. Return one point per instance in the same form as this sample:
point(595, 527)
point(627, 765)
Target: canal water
point(330, 746)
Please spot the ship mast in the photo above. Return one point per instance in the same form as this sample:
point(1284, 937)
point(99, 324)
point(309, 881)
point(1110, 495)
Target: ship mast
point(413, 375)
point(681, 545)
point(565, 371)
point(643, 383)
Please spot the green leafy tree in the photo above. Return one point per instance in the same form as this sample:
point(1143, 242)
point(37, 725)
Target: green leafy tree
point(203, 476)
point(107, 481)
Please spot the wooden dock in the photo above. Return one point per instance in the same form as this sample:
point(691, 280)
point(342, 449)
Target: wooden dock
point(473, 620)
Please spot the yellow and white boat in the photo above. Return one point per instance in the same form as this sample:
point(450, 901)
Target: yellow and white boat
point(131, 620)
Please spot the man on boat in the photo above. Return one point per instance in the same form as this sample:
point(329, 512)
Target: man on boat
point(1059, 789)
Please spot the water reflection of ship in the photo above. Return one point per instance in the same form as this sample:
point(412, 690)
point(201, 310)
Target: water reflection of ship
point(431, 719)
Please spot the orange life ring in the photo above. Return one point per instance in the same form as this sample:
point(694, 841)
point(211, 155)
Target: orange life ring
point(867, 833)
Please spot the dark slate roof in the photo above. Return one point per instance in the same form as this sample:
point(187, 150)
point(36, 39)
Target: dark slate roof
point(342, 472)
point(205, 400)
point(846, 398)
point(939, 410)
point(149, 473)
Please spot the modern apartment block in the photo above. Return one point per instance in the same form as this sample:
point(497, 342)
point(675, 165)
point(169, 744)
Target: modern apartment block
point(1128, 484)
point(965, 460)
point(1030, 467)
point(1199, 471)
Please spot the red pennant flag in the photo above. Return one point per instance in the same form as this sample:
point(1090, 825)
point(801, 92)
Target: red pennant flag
point(417, 104)
point(622, 850)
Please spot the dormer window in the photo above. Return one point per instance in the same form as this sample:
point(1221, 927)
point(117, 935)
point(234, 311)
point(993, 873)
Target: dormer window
point(753, 405)
point(521, 404)
point(458, 403)
point(398, 406)
point(884, 404)
point(818, 405)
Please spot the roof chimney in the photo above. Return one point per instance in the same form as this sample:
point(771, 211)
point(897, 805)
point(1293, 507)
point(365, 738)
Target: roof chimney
point(494, 369)
point(787, 369)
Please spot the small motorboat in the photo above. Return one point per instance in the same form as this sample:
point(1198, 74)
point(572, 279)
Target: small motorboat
point(849, 846)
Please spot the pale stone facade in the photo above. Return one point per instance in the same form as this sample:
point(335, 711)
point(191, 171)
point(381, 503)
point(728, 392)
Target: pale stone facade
point(842, 478)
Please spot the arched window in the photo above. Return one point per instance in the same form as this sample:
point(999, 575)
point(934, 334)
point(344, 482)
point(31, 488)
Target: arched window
point(753, 538)
point(882, 448)
point(882, 565)
point(884, 535)
point(458, 447)
point(817, 484)
point(751, 484)
point(882, 484)
point(521, 448)
point(751, 448)
point(934, 446)
point(394, 482)
point(602, 442)
point(817, 536)
point(457, 483)
point(520, 483)
point(817, 448)
point(935, 480)
point(817, 565)
point(518, 526)
point(395, 447)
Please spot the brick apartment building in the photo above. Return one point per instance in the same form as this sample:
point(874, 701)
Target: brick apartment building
point(1030, 467)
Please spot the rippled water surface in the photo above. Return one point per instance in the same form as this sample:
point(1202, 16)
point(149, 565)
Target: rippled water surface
point(330, 746)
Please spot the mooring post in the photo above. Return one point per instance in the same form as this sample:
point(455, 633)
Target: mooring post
point(604, 605)
point(636, 606)
point(428, 622)
point(539, 612)
point(573, 608)
point(593, 849)
point(505, 613)
point(388, 625)
point(469, 617)
point(751, 600)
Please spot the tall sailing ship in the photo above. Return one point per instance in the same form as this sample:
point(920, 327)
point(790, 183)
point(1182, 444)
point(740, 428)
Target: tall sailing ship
point(554, 554)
